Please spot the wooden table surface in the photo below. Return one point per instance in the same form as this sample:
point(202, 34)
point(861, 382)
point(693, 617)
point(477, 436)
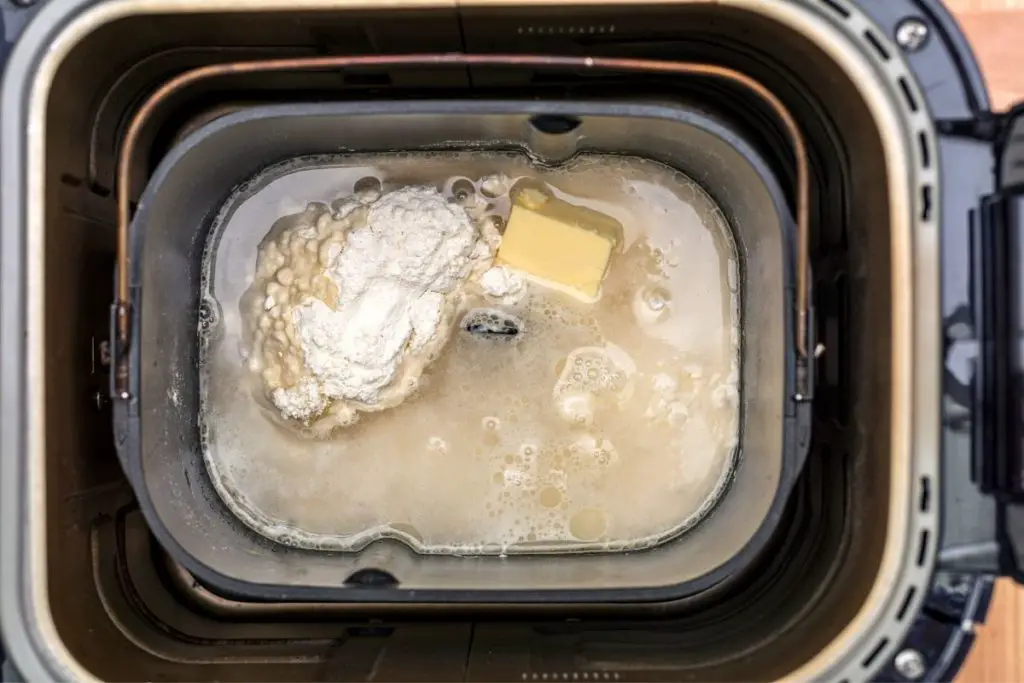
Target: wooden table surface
point(996, 30)
point(998, 652)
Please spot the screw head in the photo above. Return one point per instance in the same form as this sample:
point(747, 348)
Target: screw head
point(104, 349)
point(23, 3)
point(100, 400)
point(910, 664)
point(912, 34)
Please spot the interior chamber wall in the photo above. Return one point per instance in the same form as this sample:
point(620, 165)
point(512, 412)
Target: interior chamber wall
point(824, 561)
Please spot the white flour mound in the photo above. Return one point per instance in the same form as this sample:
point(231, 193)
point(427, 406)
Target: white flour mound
point(503, 285)
point(361, 322)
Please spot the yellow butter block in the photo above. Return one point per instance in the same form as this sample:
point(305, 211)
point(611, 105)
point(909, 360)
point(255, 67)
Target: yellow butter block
point(549, 242)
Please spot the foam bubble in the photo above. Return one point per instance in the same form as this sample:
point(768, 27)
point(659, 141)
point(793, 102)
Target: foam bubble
point(576, 409)
point(596, 372)
point(652, 304)
point(588, 524)
point(550, 497)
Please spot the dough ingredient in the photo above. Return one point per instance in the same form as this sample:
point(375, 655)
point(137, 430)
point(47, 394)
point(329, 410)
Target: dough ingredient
point(355, 306)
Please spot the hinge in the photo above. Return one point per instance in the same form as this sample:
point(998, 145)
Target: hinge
point(997, 438)
point(997, 243)
point(998, 246)
point(987, 126)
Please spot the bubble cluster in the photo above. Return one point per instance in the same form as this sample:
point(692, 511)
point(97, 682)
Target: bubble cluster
point(592, 374)
point(576, 408)
point(491, 322)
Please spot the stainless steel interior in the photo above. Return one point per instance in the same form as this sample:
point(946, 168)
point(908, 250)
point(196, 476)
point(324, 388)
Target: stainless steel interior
point(99, 595)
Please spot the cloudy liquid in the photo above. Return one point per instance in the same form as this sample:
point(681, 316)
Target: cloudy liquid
point(603, 426)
